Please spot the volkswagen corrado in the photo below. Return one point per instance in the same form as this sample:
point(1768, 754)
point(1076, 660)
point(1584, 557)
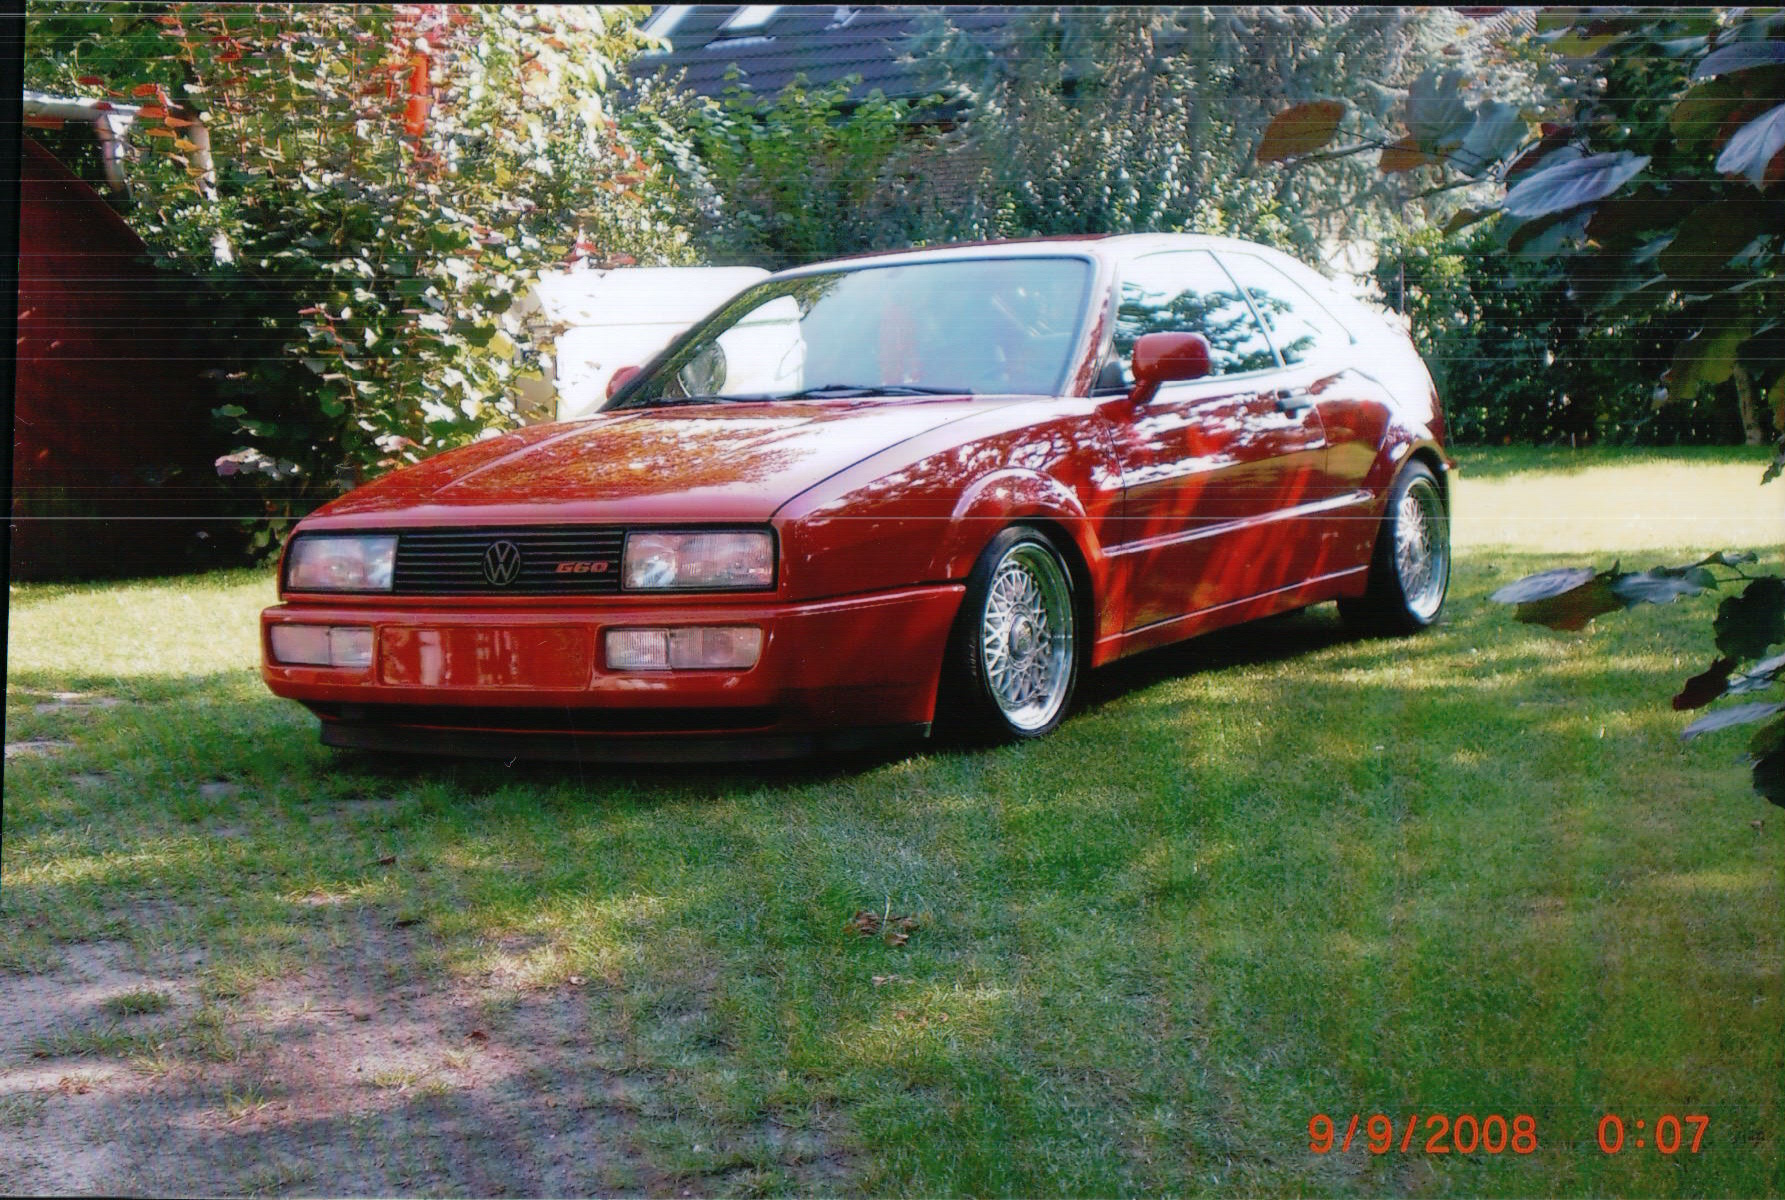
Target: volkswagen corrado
point(871, 497)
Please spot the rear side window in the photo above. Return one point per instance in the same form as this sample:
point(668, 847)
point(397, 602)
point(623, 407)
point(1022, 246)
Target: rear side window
point(1186, 292)
point(1300, 325)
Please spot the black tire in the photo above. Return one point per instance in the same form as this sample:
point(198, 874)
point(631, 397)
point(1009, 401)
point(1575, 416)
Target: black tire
point(1410, 567)
point(995, 653)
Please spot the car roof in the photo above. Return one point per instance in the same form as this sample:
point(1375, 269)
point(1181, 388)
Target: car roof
point(1115, 247)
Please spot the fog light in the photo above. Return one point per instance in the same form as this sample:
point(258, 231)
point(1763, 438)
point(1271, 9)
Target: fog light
point(638, 649)
point(698, 648)
point(322, 645)
point(349, 647)
point(734, 647)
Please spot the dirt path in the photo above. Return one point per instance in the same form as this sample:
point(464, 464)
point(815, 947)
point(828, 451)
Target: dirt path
point(334, 1082)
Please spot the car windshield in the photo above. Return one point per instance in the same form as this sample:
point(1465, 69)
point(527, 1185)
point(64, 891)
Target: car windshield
point(980, 326)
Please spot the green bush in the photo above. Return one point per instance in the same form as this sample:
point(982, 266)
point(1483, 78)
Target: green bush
point(388, 180)
point(801, 176)
point(1518, 359)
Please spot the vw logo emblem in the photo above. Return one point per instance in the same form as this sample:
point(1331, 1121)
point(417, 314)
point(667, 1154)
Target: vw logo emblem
point(501, 563)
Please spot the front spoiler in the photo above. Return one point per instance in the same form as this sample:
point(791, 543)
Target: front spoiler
point(570, 747)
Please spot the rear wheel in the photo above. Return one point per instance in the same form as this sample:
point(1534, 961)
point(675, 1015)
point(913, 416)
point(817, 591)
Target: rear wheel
point(1014, 656)
point(1410, 568)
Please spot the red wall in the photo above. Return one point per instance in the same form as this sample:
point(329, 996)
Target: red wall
point(113, 441)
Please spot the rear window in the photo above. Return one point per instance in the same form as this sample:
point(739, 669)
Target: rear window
point(1300, 325)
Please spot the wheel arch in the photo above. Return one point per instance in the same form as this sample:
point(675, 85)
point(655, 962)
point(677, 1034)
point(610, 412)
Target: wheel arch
point(1021, 497)
point(1078, 569)
point(1394, 456)
point(1428, 454)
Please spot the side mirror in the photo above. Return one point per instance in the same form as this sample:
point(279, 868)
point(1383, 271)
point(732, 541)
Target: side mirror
point(1167, 358)
point(620, 379)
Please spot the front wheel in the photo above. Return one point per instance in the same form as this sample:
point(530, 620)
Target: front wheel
point(1013, 659)
point(1410, 569)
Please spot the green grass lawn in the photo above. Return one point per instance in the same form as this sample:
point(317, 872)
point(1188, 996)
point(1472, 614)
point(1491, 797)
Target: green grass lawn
point(1268, 874)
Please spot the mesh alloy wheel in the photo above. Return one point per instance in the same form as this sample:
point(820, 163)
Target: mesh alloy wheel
point(1410, 568)
point(1013, 661)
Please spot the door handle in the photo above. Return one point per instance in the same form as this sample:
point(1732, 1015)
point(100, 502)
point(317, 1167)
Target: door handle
point(1294, 401)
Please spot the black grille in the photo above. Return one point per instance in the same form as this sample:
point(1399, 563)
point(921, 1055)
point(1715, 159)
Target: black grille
point(441, 562)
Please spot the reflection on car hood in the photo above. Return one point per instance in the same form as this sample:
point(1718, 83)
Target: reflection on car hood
point(719, 462)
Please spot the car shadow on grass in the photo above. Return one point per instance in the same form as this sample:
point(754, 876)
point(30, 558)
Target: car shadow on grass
point(1271, 640)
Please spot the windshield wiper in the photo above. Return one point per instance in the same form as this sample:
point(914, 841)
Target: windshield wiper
point(843, 390)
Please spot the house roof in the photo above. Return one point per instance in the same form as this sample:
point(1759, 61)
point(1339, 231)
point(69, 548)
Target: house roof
point(770, 44)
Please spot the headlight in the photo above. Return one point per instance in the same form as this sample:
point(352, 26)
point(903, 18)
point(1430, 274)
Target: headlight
point(696, 561)
point(320, 562)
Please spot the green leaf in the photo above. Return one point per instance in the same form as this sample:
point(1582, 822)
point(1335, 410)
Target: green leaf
point(1701, 111)
point(1465, 217)
point(1710, 236)
point(1706, 358)
point(1750, 152)
point(1746, 625)
point(1579, 45)
point(1572, 184)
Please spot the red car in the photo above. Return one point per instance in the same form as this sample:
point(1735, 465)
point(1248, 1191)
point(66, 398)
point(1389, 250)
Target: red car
point(871, 495)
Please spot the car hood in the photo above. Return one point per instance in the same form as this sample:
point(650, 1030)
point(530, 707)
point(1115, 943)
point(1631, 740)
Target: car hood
point(718, 462)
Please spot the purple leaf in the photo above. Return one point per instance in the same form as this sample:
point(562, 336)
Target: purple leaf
point(1740, 56)
point(1723, 718)
point(1753, 147)
point(1705, 686)
point(1572, 183)
point(1544, 585)
point(1760, 675)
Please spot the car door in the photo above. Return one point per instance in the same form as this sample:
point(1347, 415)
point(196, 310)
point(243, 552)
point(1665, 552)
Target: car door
point(1202, 460)
point(1321, 368)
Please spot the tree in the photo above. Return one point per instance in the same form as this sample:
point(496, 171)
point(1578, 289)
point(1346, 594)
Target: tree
point(390, 178)
point(1113, 119)
point(1518, 359)
point(1655, 178)
point(1651, 178)
point(793, 178)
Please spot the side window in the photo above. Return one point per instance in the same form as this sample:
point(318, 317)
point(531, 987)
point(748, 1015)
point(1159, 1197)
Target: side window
point(1187, 292)
point(1299, 324)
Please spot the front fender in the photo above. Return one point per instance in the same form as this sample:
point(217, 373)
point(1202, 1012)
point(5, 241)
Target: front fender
point(1003, 498)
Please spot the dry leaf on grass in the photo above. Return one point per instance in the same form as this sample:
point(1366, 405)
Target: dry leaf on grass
point(890, 928)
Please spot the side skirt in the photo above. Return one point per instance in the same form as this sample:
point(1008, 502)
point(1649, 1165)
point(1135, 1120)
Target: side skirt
point(1300, 595)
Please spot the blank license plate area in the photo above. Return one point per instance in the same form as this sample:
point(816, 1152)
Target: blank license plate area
point(520, 657)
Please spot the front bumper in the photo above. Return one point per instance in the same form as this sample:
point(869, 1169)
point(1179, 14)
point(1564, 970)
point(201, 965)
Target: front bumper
point(478, 678)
